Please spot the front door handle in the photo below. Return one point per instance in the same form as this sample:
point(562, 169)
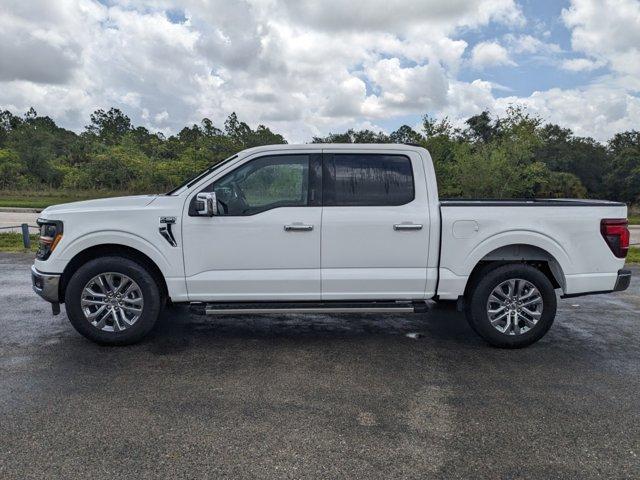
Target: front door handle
point(298, 227)
point(407, 226)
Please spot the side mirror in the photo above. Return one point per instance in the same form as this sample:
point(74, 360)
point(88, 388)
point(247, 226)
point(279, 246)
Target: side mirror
point(206, 204)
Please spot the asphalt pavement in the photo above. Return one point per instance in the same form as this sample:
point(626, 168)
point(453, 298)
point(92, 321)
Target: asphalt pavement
point(318, 396)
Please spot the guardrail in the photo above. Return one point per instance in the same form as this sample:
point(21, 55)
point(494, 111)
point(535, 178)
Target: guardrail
point(26, 239)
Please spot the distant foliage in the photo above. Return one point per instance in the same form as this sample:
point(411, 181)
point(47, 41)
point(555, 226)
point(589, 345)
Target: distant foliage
point(514, 156)
point(113, 154)
point(518, 156)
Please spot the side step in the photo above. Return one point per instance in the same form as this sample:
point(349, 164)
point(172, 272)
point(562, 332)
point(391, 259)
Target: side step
point(234, 308)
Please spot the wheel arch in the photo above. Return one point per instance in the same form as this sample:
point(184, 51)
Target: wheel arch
point(112, 249)
point(529, 254)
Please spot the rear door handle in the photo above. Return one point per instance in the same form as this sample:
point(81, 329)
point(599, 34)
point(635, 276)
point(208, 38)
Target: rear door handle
point(407, 226)
point(298, 227)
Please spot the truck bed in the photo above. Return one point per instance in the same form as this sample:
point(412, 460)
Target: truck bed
point(550, 230)
point(527, 202)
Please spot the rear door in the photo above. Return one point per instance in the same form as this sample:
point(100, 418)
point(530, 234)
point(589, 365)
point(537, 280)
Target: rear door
point(375, 225)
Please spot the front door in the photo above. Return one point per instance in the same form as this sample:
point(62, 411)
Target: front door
point(375, 226)
point(264, 244)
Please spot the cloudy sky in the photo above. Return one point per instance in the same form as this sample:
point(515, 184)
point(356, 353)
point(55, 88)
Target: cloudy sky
point(310, 67)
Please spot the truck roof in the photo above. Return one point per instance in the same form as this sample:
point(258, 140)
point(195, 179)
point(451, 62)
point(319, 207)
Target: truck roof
point(340, 146)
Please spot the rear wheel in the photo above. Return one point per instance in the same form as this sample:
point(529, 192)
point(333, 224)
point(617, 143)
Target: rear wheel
point(511, 306)
point(112, 301)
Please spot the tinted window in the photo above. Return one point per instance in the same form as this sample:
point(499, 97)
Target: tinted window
point(367, 180)
point(263, 184)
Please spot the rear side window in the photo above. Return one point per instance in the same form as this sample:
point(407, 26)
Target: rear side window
point(367, 180)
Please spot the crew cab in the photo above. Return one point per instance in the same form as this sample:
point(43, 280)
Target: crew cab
point(325, 228)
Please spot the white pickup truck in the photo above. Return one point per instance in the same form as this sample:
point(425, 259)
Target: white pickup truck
point(325, 228)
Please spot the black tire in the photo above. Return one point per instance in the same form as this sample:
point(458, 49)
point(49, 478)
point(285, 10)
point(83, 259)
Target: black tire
point(150, 293)
point(478, 296)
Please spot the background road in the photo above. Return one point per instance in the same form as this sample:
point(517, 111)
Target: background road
point(318, 396)
point(9, 219)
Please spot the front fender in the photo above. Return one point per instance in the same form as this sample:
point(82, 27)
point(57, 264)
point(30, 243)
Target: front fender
point(66, 252)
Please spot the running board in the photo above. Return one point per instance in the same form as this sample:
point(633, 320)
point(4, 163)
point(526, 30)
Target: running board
point(307, 307)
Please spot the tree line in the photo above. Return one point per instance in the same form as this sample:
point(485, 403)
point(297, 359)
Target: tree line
point(514, 156)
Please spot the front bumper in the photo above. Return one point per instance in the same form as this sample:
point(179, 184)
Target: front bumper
point(46, 285)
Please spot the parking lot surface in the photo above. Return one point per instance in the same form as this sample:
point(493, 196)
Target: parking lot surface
point(318, 396)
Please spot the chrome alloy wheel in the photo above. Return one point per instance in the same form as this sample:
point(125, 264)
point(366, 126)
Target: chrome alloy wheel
point(112, 302)
point(514, 306)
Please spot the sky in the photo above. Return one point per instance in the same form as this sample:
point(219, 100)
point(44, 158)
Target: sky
point(311, 67)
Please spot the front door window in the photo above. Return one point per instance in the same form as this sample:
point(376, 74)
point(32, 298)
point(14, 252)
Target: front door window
point(264, 184)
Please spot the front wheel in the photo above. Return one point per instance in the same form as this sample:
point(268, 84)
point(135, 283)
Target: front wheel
point(511, 306)
point(112, 301)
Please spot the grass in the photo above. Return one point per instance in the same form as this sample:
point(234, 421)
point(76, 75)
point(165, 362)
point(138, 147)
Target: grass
point(634, 255)
point(634, 215)
point(12, 242)
point(42, 199)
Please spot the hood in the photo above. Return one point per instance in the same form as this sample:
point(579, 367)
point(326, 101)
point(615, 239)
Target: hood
point(100, 205)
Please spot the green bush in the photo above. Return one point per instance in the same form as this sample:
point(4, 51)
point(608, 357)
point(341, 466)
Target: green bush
point(513, 156)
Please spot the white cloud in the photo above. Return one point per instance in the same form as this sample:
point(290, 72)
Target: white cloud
point(596, 111)
point(489, 54)
point(399, 15)
point(581, 64)
point(530, 44)
point(34, 48)
point(404, 89)
point(161, 117)
point(294, 65)
point(304, 67)
point(346, 100)
point(607, 30)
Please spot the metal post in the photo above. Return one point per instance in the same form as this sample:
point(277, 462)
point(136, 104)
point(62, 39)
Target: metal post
point(26, 240)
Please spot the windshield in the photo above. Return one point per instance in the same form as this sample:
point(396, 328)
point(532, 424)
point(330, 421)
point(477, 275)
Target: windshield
point(193, 180)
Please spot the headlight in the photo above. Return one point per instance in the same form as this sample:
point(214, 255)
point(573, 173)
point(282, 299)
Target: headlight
point(50, 236)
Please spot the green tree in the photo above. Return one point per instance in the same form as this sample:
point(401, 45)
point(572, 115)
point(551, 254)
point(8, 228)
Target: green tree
point(562, 185)
point(406, 134)
point(38, 142)
point(354, 136)
point(482, 128)
point(12, 170)
point(245, 137)
point(120, 167)
point(561, 151)
point(623, 177)
point(109, 126)
point(514, 155)
point(8, 122)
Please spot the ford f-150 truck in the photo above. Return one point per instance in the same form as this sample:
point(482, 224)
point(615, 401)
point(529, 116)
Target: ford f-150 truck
point(325, 228)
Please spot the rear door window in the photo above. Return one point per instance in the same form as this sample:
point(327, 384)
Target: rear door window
point(367, 180)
